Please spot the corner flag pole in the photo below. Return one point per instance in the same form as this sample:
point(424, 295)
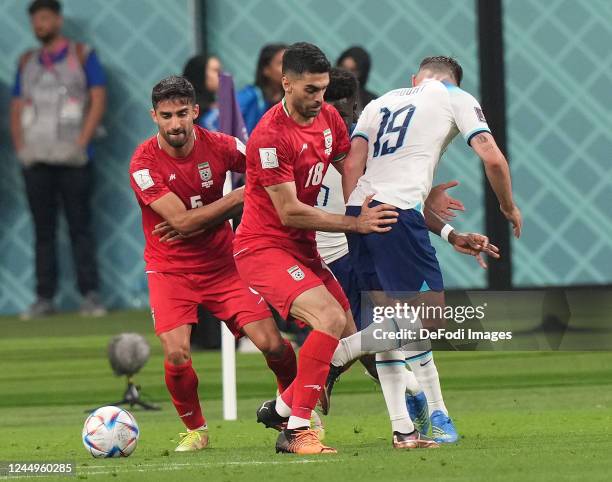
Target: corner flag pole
point(228, 354)
point(230, 122)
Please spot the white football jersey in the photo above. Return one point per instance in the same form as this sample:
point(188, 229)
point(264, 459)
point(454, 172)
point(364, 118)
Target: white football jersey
point(332, 246)
point(407, 131)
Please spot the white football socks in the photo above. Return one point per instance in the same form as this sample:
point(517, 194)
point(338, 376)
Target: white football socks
point(297, 422)
point(282, 408)
point(348, 349)
point(370, 340)
point(426, 373)
point(391, 369)
point(412, 386)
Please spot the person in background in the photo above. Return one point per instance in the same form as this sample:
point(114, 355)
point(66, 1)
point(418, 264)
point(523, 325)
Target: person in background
point(58, 101)
point(256, 99)
point(203, 73)
point(357, 60)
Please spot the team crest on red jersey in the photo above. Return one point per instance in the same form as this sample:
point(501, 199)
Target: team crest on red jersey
point(296, 273)
point(205, 174)
point(329, 140)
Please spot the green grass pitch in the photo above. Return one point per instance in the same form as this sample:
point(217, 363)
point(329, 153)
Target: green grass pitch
point(521, 416)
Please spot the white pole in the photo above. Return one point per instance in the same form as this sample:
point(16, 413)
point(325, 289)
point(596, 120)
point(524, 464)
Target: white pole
point(228, 355)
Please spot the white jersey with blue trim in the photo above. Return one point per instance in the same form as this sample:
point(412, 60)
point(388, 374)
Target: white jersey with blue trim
point(407, 131)
point(332, 246)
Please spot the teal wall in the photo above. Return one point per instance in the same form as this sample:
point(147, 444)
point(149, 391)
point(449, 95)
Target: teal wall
point(398, 34)
point(559, 77)
point(138, 41)
point(558, 65)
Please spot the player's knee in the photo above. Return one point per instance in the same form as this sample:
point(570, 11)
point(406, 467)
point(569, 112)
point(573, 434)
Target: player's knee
point(271, 345)
point(275, 347)
point(178, 355)
point(332, 320)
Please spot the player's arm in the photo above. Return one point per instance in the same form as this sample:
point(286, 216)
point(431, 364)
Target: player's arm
point(471, 122)
point(186, 221)
point(295, 214)
point(472, 244)
point(166, 233)
point(498, 174)
point(339, 166)
point(354, 165)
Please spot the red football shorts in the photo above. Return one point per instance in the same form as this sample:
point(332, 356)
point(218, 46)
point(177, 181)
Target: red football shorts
point(174, 299)
point(280, 276)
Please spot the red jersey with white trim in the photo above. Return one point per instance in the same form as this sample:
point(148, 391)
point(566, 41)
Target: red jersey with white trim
point(196, 179)
point(280, 150)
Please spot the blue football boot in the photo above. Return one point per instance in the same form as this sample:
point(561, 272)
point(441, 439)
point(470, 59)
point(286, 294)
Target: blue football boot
point(419, 413)
point(442, 428)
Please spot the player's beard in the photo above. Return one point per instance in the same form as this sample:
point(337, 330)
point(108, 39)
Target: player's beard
point(310, 111)
point(176, 141)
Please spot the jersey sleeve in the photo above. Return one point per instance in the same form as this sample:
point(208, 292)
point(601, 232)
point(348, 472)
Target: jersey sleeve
point(272, 159)
point(365, 127)
point(148, 184)
point(233, 152)
point(468, 115)
point(342, 145)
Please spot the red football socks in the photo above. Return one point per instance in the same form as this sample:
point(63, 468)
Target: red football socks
point(312, 370)
point(182, 383)
point(284, 367)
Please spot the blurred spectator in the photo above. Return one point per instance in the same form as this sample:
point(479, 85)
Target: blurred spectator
point(256, 99)
point(203, 73)
point(59, 99)
point(357, 61)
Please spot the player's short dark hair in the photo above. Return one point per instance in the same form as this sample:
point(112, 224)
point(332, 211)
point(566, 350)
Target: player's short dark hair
point(303, 57)
point(266, 54)
point(173, 88)
point(442, 63)
point(52, 5)
point(342, 85)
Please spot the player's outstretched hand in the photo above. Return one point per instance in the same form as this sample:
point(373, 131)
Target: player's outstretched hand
point(376, 219)
point(474, 244)
point(514, 216)
point(441, 203)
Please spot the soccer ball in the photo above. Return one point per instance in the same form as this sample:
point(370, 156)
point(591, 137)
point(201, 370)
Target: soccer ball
point(110, 432)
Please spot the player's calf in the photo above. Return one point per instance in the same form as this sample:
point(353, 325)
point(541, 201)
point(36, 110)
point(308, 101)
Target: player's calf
point(278, 352)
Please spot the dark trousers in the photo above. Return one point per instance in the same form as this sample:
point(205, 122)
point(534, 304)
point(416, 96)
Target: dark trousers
point(49, 187)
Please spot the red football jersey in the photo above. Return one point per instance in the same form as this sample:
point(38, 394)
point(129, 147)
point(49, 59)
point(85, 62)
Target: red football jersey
point(280, 150)
point(197, 180)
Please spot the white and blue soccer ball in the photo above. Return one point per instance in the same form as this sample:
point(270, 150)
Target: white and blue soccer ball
point(110, 432)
